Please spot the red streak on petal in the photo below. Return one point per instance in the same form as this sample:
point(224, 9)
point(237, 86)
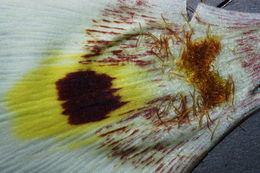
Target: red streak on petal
point(91, 55)
point(102, 32)
point(105, 20)
point(109, 27)
point(151, 21)
point(148, 17)
point(99, 41)
point(114, 11)
point(113, 131)
point(159, 167)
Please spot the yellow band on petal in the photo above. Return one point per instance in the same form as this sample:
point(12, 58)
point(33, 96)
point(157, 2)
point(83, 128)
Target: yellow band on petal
point(38, 112)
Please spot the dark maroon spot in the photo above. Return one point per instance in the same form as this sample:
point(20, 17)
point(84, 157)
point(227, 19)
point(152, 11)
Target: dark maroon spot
point(88, 96)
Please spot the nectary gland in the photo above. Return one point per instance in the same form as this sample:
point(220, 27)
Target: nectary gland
point(196, 62)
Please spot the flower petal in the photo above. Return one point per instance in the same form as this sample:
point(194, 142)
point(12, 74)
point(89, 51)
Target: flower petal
point(37, 135)
point(119, 81)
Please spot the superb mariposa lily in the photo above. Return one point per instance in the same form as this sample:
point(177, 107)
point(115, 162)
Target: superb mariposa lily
point(121, 85)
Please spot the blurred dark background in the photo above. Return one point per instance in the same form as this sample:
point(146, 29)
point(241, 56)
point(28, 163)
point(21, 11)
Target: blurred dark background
point(239, 152)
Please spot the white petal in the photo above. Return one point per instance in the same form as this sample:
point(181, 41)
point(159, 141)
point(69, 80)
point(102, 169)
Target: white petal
point(32, 30)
